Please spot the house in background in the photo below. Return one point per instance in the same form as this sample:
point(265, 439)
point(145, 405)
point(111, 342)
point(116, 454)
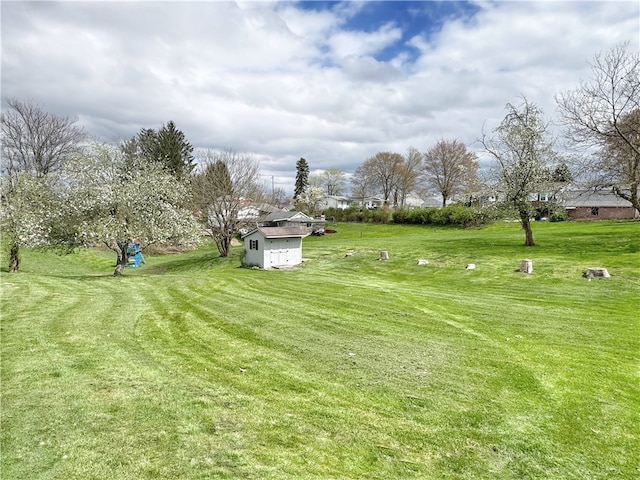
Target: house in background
point(346, 202)
point(274, 247)
point(595, 204)
point(343, 202)
point(412, 201)
point(281, 218)
point(337, 201)
point(431, 202)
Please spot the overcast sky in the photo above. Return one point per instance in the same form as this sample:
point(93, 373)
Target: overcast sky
point(333, 82)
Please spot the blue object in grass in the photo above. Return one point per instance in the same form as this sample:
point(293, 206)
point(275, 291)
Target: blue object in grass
point(134, 252)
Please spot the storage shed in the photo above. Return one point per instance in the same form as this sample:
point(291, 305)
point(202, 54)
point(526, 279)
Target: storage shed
point(273, 247)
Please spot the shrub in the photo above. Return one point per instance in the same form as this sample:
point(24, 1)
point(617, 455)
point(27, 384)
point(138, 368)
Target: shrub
point(460, 215)
point(401, 215)
point(422, 216)
point(454, 214)
point(380, 215)
point(559, 216)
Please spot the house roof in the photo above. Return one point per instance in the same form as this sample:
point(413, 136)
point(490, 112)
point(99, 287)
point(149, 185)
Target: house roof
point(592, 198)
point(279, 232)
point(339, 197)
point(284, 215)
point(292, 217)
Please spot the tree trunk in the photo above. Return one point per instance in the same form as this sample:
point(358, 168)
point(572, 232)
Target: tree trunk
point(122, 260)
point(632, 198)
point(525, 220)
point(635, 200)
point(224, 246)
point(14, 257)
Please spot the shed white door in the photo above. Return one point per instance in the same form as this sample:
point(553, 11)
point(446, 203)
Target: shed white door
point(279, 248)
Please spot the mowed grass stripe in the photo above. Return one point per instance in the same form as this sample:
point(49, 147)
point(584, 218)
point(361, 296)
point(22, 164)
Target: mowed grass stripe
point(281, 385)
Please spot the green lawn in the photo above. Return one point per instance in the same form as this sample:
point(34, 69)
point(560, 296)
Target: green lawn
point(344, 368)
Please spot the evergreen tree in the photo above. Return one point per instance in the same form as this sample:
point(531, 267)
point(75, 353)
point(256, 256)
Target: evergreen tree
point(174, 151)
point(167, 146)
point(302, 177)
point(562, 174)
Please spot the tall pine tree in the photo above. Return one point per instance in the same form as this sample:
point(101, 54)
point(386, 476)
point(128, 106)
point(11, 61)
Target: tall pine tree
point(302, 177)
point(167, 146)
point(175, 152)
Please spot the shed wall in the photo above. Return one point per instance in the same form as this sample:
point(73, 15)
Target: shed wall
point(254, 257)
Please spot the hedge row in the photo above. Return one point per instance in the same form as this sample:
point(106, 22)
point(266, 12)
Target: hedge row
point(356, 214)
point(455, 214)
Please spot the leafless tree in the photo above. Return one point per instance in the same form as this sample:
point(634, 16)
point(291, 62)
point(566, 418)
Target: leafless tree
point(279, 197)
point(450, 168)
point(620, 160)
point(315, 181)
point(385, 168)
point(226, 183)
point(35, 141)
point(362, 183)
point(408, 175)
point(333, 181)
point(522, 149)
point(603, 115)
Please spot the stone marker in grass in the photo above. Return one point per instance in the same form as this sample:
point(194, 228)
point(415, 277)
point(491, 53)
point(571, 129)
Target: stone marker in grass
point(526, 266)
point(592, 272)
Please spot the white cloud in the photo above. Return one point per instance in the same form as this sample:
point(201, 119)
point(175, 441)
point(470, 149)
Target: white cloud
point(280, 82)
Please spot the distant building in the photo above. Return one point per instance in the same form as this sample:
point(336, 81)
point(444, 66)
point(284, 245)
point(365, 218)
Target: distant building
point(281, 218)
point(337, 201)
point(344, 202)
point(595, 204)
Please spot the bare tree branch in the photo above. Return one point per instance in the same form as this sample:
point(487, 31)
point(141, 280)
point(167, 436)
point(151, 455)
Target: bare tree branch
point(225, 183)
point(603, 115)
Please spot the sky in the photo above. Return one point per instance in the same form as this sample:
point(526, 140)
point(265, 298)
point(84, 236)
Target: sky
point(333, 82)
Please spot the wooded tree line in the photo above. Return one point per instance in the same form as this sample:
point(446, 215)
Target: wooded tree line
point(448, 168)
point(61, 189)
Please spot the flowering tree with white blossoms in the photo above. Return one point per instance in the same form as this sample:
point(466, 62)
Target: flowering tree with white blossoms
point(28, 214)
point(114, 200)
point(523, 150)
point(311, 200)
point(35, 146)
